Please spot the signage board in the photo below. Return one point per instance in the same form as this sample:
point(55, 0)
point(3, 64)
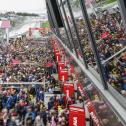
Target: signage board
point(68, 90)
point(63, 75)
point(77, 115)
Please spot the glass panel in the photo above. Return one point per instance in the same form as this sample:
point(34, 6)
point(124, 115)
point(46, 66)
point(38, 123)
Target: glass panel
point(104, 112)
point(108, 30)
point(103, 109)
point(64, 33)
point(108, 45)
point(73, 37)
point(82, 31)
point(117, 74)
point(107, 116)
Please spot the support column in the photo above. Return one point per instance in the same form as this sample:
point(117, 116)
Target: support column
point(7, 35)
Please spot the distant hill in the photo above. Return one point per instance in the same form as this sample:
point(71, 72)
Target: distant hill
point(26, 14)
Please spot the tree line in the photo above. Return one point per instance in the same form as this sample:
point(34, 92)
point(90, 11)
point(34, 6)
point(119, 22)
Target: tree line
point(27, 14)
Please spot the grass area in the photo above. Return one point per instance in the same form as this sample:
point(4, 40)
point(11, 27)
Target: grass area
point(110, 1)
point(45, 24)
point(104, 2)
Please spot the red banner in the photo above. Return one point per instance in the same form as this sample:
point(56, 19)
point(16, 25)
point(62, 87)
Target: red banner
point(81, 90)
point(63, 75)
point(72, 69)
point(58, 57)
point(56, 51)
point(68, 89)
point(92, 112)
point(61, 66)
point(89, 105)
point(77, 115)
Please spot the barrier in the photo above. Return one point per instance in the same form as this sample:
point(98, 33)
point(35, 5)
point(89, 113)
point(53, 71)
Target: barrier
point(58, 57)
point(72, 69)
point(89, 105)
point(68, 90)
point(77, 115)
point(61, 65)
point(63, 75)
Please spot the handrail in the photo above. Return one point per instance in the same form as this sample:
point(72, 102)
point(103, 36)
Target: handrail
point(116, 54)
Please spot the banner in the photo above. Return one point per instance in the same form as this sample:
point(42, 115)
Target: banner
point(92, 112)
point(81, 90)
point(77, 115)
point(63, 75)
point(58, 57)
point(72, 69)
point(55, 49)
point(61, 65)
point(68, 90)
point(89, 105)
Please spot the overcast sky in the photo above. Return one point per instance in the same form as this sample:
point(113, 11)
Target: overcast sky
point(22, 5)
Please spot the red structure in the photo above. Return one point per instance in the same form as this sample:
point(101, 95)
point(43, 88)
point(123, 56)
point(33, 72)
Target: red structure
point(61, 65)
point(68, 90)
point(63, 75)
point(77, 115)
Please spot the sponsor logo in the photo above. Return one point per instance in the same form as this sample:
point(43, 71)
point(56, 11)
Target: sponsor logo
point(95, 118)
point(92, 113)
point(77, 109)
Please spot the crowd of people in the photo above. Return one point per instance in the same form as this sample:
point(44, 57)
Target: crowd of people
point(30, 62)
point(25, 62)
point(110, 38)
point(25, 106)
point(33, 62)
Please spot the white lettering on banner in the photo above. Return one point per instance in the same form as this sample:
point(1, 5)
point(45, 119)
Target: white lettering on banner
point(92, 113)
point(74, 121)
point(94, 118)
point(67, 93)
point(90, 107)
point(77, 109)
point(68, 85)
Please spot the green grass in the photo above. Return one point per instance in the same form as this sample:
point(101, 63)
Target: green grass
point(110, 1)
point(105, 2)
point(45, 24)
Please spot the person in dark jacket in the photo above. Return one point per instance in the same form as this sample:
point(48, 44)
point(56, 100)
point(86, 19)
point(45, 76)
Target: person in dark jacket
point(44, 117)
